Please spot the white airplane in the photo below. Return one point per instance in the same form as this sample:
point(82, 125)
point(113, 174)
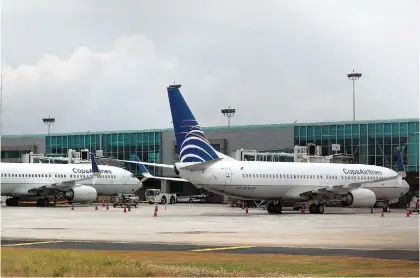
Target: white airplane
point(355, 185)
point(74, 182)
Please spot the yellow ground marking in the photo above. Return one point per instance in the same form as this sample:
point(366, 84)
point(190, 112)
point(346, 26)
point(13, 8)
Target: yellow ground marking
point(51, 203)
point(222, 248)
point(32, 243)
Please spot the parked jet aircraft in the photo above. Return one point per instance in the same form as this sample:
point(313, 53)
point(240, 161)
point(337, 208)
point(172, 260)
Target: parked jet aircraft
point(355, 185)
point(74, 182)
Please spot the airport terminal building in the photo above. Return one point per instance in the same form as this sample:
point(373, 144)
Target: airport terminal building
point(367, 142)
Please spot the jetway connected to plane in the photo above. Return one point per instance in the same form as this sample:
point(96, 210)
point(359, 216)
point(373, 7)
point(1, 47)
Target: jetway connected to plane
point(73, 157)
point(310, 153)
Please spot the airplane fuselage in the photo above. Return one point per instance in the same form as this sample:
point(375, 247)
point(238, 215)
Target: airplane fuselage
point(285, 180)
point(18, 178)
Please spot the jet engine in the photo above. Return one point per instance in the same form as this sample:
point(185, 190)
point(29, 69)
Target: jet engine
point(361, 197)
point(81, 194)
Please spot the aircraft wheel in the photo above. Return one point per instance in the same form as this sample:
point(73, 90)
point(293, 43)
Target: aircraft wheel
point(278, 208)
point(313, 208)
point(270, 207)
point(320, 208)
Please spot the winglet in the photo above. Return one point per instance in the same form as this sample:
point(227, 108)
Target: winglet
point(95, 169)
point(401, 170)
point(142, 169)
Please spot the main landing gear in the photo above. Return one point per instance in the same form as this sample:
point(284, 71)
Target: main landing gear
point(40, 202)
point(45, 202)
point(274, 207)
point(316, 208)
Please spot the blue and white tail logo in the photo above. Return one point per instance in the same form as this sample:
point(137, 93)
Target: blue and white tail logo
point(192, 144)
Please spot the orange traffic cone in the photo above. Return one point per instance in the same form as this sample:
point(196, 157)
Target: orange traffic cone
point(125, 210)
point(246, 210)
point(407, 213)
point(382, 212)
point(155, 214)
point(96, 207)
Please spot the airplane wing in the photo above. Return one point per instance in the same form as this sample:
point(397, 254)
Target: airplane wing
point(66, 185)
point(346, 187)
point(353, 185)
point(147, 175)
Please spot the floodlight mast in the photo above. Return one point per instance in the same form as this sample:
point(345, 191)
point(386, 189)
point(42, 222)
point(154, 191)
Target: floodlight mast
point(49, 121)
point(354, 76)
point(229, 112)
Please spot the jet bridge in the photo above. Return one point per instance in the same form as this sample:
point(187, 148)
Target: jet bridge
point(73, 157)
point(309, 154)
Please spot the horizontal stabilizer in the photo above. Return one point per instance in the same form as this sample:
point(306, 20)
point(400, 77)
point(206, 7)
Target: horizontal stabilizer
point(200, 166)
point(147, 175)
point(150, 164)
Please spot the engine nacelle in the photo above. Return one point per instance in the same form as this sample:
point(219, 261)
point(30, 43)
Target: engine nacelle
point(82, 194)
point(361, 197)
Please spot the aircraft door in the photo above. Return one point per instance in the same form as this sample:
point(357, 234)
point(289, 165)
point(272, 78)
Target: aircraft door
point(228, 179)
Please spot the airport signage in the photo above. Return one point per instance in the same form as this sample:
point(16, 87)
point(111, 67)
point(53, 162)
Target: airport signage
point(88, 171)
point(361, 171)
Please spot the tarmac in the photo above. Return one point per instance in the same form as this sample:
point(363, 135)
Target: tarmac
point(215, 228)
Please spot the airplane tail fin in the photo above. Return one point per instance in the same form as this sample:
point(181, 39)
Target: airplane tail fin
point(401, 169)
point(143, 170)
point(95, 169)
point(191, 141)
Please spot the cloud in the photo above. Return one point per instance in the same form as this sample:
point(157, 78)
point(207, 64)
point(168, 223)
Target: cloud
point(275, 63)
point(89, 90)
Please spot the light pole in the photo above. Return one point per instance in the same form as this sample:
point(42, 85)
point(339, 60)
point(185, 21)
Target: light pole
point(49, 121)
point(230, 112)
point(354, 76)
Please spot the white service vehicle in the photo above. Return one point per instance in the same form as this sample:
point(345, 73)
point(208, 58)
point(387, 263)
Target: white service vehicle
point(156, 196)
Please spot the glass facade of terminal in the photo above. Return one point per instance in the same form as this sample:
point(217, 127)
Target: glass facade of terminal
point(373, 143)
point(114, 145)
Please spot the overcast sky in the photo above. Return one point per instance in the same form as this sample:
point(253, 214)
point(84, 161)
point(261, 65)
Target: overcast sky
point(105, 64)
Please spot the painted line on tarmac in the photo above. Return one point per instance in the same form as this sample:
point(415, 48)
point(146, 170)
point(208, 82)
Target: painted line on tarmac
point(32, 243)
point(221, 248)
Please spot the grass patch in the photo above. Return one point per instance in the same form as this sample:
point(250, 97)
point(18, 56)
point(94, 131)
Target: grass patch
point(55, 262)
